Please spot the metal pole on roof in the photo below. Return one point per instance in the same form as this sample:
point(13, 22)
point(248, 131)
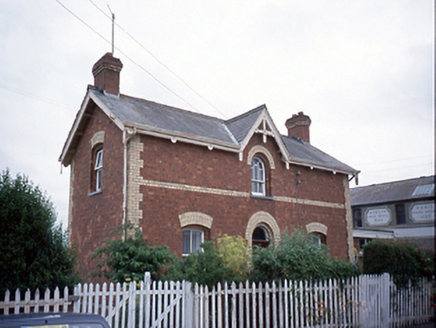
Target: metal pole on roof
point(113, 30)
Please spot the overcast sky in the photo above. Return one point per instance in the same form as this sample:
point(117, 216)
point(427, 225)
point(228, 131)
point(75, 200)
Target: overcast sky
point(362, 70)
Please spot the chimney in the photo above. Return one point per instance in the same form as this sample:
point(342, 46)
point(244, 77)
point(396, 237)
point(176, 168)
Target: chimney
point(107, 74)
point(298, 126)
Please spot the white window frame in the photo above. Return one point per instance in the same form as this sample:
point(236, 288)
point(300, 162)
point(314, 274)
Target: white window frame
point(98, 168)
point(192, 247)
point(258, 180)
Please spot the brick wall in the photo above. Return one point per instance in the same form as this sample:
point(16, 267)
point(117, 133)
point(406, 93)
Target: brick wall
point(167, 180)
point(180, 178)
point(95, 216)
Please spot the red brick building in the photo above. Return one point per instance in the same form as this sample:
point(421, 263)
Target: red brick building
point(183, 177)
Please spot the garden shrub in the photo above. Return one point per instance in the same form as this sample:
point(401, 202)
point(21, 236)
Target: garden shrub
point(127, 260)
point(297, 257)
point(233, 251)
point(206, 267)
point(401, 260)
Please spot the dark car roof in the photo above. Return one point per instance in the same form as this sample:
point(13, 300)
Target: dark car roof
point(47, 319)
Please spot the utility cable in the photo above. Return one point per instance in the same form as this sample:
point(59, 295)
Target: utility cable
point(126, 56)
point(159, 61)
point(34, 96)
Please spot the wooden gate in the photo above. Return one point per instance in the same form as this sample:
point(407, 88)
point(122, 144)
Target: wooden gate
point(374, 300)
point(153, 304)
point(163, 304)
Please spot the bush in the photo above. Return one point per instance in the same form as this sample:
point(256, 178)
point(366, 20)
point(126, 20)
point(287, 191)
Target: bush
point(401, 260)
point(34, 253)
point(124, 261)
point(233, 251)
point(221, 260)
point(205, 267)
point(296, 257)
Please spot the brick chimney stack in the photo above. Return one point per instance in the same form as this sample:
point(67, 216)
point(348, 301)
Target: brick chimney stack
point(107, 74)
point(298, 126)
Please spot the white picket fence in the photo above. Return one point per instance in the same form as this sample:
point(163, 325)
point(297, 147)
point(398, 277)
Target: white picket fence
point(365, 301)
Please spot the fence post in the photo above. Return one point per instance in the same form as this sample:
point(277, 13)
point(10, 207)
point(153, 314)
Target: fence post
point(188, 310)
point(384, 299)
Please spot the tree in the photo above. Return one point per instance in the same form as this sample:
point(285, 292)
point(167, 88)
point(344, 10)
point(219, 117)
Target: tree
point(127, 260)
point(34, 253)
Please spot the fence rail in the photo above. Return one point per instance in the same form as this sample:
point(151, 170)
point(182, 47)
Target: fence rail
point(365, 301)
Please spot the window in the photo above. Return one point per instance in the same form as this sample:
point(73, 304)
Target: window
point(400, 213)
point(258, 177)
point(362, 242)
point(357, 217)
point(192, 239)
point(98, 167)
point(318, 238)
point(260, 237)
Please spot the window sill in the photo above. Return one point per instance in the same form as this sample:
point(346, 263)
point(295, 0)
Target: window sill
point(93, 193)
point(261, 197)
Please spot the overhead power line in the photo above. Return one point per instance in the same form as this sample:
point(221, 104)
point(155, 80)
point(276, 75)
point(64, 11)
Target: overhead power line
point(36, 97)
point(396, 160)
point(396, 168)
point(159, 61)
point(127, 57)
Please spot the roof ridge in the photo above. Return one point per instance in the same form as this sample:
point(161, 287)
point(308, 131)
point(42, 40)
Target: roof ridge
point(243, 115)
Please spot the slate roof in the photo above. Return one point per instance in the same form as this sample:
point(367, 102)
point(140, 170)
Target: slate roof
point(304, 152)
point(404, 190)
point(151, 116)
point(240, 125)
point(136, 111)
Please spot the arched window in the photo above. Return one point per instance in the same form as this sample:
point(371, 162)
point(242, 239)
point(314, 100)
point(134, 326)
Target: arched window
point(192, 239)
point(263, 228)
point(260, 237)
point(97, 169)
point(258, 180)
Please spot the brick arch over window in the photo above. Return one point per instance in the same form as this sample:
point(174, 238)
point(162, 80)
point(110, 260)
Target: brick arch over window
point(195, 218)
point(261, 150)
point(97, 138)
point(316, 227)
point(264, 220)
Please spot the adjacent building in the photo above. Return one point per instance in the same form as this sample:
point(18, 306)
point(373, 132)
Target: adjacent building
point(395, 210)
point(182, 177)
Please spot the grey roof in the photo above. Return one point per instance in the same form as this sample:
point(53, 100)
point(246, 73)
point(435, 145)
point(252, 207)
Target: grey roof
point(301, 151)
point(148, 113)
point(422, 187)
point(151, 116)
point(240, 125)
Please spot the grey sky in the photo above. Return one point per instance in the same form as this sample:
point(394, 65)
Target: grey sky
point(362, 70)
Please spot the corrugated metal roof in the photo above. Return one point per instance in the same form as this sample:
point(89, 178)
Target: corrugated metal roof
point(393, 191)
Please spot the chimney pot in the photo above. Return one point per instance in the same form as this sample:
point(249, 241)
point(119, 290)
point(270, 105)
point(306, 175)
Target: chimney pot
point(298, 126)
point(106, 73)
